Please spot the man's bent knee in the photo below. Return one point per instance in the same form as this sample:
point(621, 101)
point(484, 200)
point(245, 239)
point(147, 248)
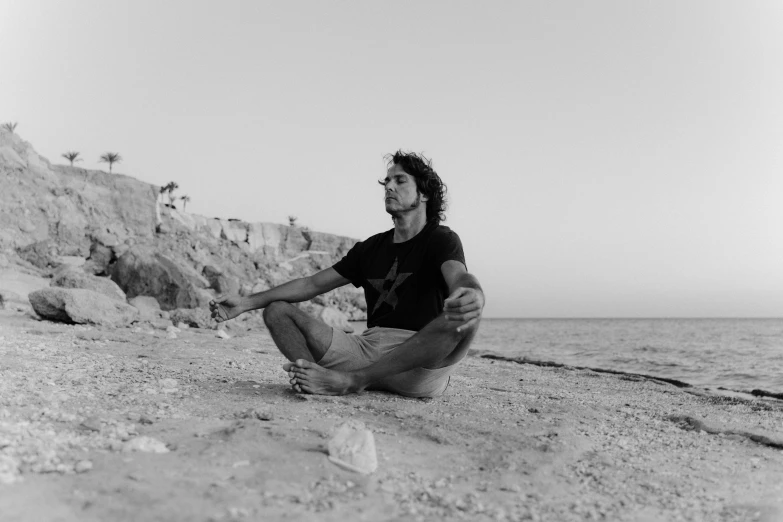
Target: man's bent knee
point(276, 311)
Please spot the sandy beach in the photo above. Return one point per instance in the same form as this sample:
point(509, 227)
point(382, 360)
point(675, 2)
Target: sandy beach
point(219, 435)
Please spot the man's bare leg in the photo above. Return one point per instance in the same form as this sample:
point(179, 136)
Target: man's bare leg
point(437, 345)
point(297, 335)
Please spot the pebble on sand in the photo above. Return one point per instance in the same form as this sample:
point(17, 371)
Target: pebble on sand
point(223, 335)
point(168, 383)
point(83, 466)
point(353, 448)
point(91, 424)
point(145, 444)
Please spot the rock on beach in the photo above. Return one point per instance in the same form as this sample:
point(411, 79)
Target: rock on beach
point(353, 448)
point(143, 271)
point(75, 278)
point(75, 305)
point(145, 444)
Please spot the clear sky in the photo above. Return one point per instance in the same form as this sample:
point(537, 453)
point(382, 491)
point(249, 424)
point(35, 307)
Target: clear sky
point(604, 158)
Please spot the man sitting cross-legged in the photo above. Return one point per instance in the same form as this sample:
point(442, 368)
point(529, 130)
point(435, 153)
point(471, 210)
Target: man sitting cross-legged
point(416, 335)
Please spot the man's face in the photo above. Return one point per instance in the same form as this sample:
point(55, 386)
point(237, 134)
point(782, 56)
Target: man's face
point(400, 192)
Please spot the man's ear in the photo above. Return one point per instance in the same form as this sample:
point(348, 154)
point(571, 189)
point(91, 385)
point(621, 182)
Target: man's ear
point(423, 197)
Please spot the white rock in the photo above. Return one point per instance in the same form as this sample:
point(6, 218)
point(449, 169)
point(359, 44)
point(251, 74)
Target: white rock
point(168, 383)
point(223, 335)
point(10, 471)
point(172, 328)
point(171, 335)
point(183, 326)
point(82, 466)
point(145, 444)
point(353, 448)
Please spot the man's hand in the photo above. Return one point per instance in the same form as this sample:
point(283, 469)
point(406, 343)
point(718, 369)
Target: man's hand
point(464, 305)
point(226, 308)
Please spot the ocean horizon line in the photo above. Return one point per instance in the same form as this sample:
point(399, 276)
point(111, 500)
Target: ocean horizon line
point(633, 318)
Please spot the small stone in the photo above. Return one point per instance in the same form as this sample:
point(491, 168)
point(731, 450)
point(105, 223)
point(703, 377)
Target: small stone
point(173, 329)
point(145, 444)
point(223, 335)
point(183, 326)
point(91, 424)
point(168, 383)
point(64, 468)
point(83, 466)
point(171, 335)
point(353, 448)
point(143, 419)
point(264, 415)
point(240, 464)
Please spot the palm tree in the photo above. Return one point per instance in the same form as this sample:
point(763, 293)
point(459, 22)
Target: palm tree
point(171, 187)
point(111, 158)
point(292, 221)
point(185, 200)
point(10, 126)
point(71, 156)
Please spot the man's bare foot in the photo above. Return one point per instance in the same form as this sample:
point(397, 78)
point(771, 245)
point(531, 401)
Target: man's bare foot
point(308, 377)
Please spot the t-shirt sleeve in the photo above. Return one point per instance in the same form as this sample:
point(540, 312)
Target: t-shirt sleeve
point(446, 246)
point(349, 266)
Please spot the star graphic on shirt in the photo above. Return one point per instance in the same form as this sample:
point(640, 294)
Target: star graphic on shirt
point(387, 287)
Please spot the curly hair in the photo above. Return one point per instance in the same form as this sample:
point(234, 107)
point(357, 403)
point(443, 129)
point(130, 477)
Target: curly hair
point(428, 182)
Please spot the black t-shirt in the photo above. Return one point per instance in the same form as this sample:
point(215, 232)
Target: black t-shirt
point(402, 282)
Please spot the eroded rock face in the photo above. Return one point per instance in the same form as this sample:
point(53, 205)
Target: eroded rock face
point(100, 258)
point(66, 205)
point(221, 283)
point(143, 271)
point(38, 254)
point(75, 278)
point(76, 305)
point(49, 213)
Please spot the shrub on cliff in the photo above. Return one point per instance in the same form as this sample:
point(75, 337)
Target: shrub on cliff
point(71, 156)
point(170, 188)
point(10, 127)
point(111, 158)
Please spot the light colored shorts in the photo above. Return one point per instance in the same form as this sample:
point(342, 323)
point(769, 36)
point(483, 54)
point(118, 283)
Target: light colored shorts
point(351, 352)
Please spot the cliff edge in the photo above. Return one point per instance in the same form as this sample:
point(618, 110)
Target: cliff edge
point(55, 215)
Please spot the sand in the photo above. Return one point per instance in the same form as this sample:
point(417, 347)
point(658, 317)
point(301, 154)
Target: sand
point(223, 437)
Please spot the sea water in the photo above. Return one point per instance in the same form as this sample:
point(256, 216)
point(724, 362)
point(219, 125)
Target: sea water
point(738, 354)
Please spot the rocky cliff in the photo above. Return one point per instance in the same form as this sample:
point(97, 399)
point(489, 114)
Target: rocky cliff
point(113, 225)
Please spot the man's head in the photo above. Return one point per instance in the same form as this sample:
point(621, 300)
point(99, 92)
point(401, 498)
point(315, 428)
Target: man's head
point(429, 187)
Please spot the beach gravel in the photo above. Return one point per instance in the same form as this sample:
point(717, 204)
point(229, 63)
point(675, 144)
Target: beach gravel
point(218, 434)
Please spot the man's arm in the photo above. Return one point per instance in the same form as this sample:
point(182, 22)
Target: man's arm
point(293, 291)
point(466, 298)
